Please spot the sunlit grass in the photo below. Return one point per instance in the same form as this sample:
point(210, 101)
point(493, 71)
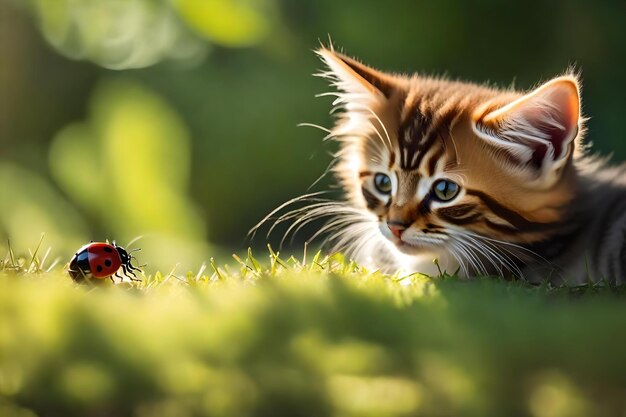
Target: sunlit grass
point(309, 335)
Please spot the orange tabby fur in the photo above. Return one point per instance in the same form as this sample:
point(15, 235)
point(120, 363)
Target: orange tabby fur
point(512, 154)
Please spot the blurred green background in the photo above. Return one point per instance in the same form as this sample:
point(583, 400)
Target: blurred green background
point(176, 120)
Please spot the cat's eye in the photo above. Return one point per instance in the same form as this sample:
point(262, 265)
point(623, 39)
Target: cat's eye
point(445, 190)
point(382, 183)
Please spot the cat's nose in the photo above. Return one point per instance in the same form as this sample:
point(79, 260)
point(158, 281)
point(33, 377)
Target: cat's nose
point(397, 228)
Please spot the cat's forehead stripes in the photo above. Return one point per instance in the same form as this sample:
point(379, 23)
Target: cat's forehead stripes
point(425, 125)
point(392, 159)
point(431, 166)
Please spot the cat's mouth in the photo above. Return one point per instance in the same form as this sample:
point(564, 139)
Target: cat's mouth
point(417, 245)
point(413, 242)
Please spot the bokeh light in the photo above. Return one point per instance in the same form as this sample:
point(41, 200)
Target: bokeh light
point(117, 34)
point(175, 122)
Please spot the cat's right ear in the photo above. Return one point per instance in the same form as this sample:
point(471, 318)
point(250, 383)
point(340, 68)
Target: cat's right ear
point(357, 82)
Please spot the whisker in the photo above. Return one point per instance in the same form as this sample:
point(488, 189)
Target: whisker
point(507, 253)
point(331, 166)
point(461, 255)
point(253, 231)
point(488, 254)
point(323, 129)
point(331, 225)
point(378, 119)
point(516, 246)
point(503, 256)
point(310, 210)
point(458, 258)
point(308, 218)
point(354, 239)
point(470, 256)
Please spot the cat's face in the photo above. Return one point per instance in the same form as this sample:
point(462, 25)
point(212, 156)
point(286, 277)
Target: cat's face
point(442, 165)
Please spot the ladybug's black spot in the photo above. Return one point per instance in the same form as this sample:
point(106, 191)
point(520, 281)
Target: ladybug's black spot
point(108, 249)
point(107, 263)
point(99, 268)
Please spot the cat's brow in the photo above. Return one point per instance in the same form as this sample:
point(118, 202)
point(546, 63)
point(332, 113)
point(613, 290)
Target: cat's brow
point(419, 132)
point(432, 162)
point(392, 160)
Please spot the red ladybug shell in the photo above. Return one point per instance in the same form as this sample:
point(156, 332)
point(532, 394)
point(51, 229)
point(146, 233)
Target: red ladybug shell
point(99, 260)
point(104, 260)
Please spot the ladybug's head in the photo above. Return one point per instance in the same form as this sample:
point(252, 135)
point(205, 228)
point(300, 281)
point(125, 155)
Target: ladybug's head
point(124, 256)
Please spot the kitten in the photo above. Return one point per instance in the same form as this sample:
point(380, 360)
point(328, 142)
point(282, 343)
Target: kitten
point(486, 181)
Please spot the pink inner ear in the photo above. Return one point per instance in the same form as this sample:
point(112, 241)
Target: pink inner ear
point(561, 129)
point(558, 138)
point(562, 106)
point(539, 154)
point(544, 121)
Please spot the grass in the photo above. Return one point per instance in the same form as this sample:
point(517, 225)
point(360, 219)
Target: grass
point(305, 337)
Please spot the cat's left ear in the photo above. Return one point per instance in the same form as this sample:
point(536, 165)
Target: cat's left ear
point(359, 84)
point(538, 129)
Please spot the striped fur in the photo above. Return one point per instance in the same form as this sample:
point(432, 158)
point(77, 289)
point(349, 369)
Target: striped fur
point(531, 203)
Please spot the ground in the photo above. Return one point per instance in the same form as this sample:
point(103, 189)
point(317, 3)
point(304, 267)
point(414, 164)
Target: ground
point(306, 337)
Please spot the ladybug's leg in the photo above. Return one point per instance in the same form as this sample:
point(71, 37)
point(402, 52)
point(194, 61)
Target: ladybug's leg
point(134, 277)
point(128, 272)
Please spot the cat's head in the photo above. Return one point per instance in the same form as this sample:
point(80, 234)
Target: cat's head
point(433, 162)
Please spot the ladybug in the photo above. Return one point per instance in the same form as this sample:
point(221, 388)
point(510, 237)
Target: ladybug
point(101, 260)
